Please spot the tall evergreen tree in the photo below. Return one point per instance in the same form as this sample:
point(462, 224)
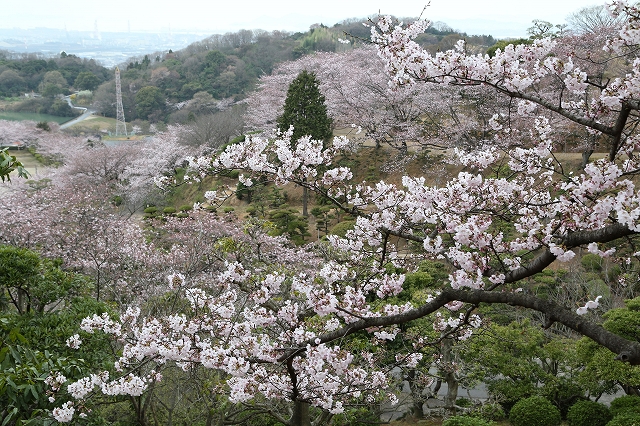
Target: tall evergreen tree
point(305, 110)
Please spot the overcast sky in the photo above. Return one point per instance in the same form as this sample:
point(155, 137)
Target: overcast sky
point(500, 18)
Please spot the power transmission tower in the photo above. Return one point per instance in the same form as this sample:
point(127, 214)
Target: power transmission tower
point(121, 126)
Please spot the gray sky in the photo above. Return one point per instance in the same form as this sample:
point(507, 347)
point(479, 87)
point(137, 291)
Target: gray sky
point(500, 18)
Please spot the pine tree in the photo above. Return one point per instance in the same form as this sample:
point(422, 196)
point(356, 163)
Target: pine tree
point(305, 110)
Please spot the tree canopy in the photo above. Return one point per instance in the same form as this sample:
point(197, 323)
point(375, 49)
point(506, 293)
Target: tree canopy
point(305, 109)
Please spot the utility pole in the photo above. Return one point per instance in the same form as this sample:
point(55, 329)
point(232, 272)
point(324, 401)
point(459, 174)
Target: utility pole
point(121, 125)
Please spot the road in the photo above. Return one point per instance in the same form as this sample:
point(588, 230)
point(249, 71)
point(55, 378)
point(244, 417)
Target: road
point(85, 114)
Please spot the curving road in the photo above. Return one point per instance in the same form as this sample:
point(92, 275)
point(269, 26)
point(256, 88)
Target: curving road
point(86, 114)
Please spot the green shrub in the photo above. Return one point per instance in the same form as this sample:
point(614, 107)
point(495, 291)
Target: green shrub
point(464, 402)
point(563, 392)
point(588, 413)
point(490, 411)
point(625, 404)
point(185, 207)
point(341, 228)
point(466, 421)
point(243, 191)
point(534, 411)
point(117, 200)
point(151, 210)
point(591, 262)
point(233, 174)
point(228, 209)
point(510, 391)
point(356, 417)
point(43, 125)
point(628, 418)
point(169, 210)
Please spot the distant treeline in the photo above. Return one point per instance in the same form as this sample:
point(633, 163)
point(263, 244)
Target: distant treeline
point(156, 86)
point(33, 72)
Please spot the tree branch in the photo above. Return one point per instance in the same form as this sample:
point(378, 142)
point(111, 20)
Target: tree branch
point(627, 350)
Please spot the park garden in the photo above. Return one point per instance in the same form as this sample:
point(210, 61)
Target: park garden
point(368, 233)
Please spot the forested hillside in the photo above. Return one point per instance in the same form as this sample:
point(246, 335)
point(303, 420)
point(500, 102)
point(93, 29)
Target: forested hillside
point(45, 78)
point(228, 67)
point(220, 67)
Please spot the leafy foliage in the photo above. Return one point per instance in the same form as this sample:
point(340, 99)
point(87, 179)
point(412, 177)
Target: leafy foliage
point(466, 421)
point(150, 103)
point(626, 403)
point(23, 391)
point(86, 80)
point(305, 109)
point(288, 221)
point(32, 341)
point(534, 411)
point(625, 419)
point(489, 411)
point(34, 283)
point(600, 362)
point(588, 413)
point(9, 163)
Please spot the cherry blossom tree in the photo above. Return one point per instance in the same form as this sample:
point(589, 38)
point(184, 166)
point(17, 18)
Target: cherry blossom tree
point(593, 19)
point(80, 212)
point(259, 280)
point(355, 87)
point(286, 333)
point(154, 157)
point(18, 131)
point(76, 224)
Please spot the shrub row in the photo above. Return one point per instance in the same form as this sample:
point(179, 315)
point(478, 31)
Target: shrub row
point(539, 411)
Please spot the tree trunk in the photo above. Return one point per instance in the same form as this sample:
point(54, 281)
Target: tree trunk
point(98, 284)
point(305, 201)
point(629, 390)
point(404, 148)
point(416, 395)
point(20, 303)
point(300, 415)
point(585, 157)
point(452, 393)
point(449, 376)
point(138, 407)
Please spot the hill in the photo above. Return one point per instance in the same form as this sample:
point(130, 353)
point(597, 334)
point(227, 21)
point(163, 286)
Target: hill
point(212, 74)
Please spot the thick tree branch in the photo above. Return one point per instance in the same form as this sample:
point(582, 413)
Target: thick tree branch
point(572, 240)
point(627, 350)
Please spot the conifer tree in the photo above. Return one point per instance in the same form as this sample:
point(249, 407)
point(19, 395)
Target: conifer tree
point(305, 110)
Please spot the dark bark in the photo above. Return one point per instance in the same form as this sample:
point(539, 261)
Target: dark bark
point(300, 415)
point(139, 408)
point(585, 158)
point(627, 350)
point(449, 376)
point(417, 410)
point(305, 201)
point(575, 239)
